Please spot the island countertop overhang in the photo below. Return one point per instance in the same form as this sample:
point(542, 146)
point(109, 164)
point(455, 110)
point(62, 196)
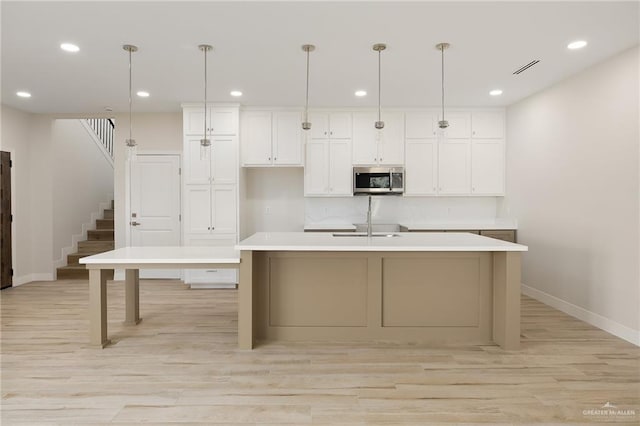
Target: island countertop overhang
point(404, 242)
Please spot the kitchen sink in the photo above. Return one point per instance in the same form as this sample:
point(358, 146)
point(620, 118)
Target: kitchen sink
point(364, 234)
point(378, 227)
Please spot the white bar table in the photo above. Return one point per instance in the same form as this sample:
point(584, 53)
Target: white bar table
point(132, 259)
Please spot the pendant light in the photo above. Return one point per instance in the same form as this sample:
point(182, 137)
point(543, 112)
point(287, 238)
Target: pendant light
point(379, 47)
point(306, 125)
point(205, 143)
point(443, 124)
point(130, 142)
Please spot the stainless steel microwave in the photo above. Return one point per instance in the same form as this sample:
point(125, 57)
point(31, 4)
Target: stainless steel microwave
point(378, 180)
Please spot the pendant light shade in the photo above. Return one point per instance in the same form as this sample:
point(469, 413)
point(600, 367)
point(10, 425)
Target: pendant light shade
point(306, 124)
point(379, 47)
point(205, 142)
point(443, 124)
point(130, 142)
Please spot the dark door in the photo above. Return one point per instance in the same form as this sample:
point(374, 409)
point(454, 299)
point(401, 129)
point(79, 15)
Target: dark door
point(6, 271)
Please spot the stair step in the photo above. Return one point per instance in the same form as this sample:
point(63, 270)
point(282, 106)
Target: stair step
point(104, 224)
point(92, 247)
point(108, 214)
point(100, 235)
point(77, 272)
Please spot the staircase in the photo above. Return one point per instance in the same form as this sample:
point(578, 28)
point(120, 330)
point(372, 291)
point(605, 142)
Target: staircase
point(99, 241)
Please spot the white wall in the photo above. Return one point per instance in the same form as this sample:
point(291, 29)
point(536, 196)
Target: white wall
point(573, 184)
point(15, 139)
point(274, 200)
point(83, 181)
point(153, 132)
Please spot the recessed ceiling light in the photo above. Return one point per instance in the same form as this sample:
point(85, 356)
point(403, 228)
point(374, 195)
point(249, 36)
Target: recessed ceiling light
point(236, 93)
point(23, 94)
point(496, 92)
point(361, 93)
point(68, 47)
point(579, 44)
point(143, 94)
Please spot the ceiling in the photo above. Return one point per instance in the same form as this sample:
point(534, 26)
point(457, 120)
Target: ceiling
point(257, 49)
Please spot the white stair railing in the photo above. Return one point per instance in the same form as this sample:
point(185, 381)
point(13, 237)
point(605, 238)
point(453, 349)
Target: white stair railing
point(104, 129)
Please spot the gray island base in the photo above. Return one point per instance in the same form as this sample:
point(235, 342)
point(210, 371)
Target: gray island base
point(426, 289)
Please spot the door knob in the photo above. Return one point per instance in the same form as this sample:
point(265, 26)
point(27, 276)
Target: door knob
point(135, 223)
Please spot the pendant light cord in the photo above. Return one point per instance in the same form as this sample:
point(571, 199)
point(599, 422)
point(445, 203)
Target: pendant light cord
point(306, 105)
point(130, 133)
point(442, 50)
point(205, 93)
point(379, 86)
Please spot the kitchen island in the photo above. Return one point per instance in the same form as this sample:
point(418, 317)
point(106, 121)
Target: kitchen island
point(429, 288)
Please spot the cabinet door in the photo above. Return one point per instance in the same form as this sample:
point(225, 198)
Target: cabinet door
point(391, 143)
point(224, 120)
point(196, 170)
point(365, 138)
point(459, 125)
point(487, 124)
point(256, 138)
point(316, 169)
point(340, 125)
point(197, 209)
point(453, 166)
point(487, 167)
point(421, 167)
point(224, 160)
point(340, 168)
point(319, 125)
point(421, 125)
point(287, 138)
point(223, 210)
point(193, 121)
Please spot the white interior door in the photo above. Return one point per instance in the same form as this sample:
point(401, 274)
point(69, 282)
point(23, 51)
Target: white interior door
point(155, 206)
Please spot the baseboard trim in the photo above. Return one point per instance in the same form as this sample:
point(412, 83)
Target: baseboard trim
point(24, 279)
point(597, 320)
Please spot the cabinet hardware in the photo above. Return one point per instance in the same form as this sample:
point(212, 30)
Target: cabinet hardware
point(134, 223)
point(275, 158)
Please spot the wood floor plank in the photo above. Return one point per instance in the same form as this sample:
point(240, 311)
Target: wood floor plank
point(181, 365)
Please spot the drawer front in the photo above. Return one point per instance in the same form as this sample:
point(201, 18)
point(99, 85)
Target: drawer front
point(505, 235)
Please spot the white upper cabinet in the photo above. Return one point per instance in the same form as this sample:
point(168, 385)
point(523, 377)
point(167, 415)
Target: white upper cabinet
point(220, 120)
point(316, 169)
point(487, 124)
point(372, 146)
point(271, 138)
point(340, 168)
point(421, 124)
point(487, 167)
point(421, 167)
point(454, 167)
point(328, 168)
point(287, 138)
point(459, 125)
point(220, 166)
point(330, 125)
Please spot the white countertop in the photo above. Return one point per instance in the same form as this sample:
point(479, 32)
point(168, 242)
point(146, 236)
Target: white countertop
point(498, 224)
point(161, 255)
point(329, 226)
point(406, 241)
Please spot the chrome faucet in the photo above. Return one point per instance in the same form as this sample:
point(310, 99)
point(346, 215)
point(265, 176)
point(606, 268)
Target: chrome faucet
point(369, 233)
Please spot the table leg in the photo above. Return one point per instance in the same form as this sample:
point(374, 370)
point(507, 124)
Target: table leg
point(132, 297)
point(506, 299)
point(98, 307)
point(245, 301)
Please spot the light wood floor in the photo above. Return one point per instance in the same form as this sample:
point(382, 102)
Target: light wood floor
point(181, 365)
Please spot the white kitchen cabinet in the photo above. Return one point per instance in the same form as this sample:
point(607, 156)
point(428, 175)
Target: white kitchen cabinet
point(378, 147)
point(220, 120)
point(454, 166)
point(330, 125)
point(487, 167)
point(421, 167)
point(421, 124)
point(271, 138)
point(328, 168)
point(459, 125)
point(487, 124)
point(208, 209)
point(220, 166)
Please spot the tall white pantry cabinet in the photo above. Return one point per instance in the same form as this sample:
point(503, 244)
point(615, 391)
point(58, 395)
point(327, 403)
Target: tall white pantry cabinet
point(210, 187)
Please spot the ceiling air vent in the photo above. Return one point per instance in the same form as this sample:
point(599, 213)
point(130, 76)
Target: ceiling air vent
point(526, 67)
